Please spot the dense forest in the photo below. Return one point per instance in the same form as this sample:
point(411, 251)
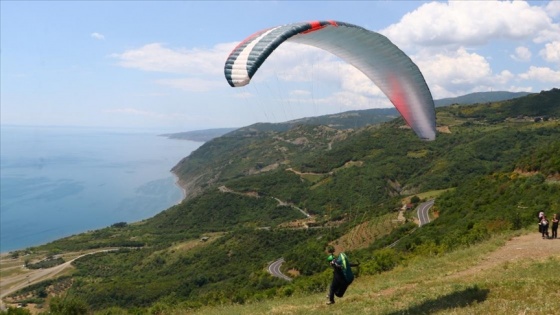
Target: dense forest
point(495, 165)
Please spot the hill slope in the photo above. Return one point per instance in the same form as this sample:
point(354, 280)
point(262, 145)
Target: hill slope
point(264, 147)
point(254, 182)
point(500, 276)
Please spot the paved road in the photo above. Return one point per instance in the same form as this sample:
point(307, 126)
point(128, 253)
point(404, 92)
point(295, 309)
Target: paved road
point(423, 210)
point(423, 216)
point(274, 269)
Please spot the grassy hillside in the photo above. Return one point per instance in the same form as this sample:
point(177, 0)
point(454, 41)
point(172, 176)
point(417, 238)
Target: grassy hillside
point(499, 160)
point(499, 276)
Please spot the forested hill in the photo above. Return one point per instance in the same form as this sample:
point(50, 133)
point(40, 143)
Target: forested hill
point(264, 147)
point(492, 167)
point(346, 120)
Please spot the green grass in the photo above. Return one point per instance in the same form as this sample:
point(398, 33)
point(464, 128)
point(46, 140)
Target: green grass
point(313, 178)
point(431, 285)
point(433, 193)
point(417, 154)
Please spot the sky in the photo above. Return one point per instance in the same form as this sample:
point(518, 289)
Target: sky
point(159, 65)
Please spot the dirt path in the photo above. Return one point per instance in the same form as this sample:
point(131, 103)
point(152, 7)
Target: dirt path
point(225, 189)
point(529, 246)
point(11, 284)
point(525, 247)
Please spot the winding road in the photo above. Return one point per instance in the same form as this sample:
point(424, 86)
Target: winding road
point(422, 211)
point(274, 269)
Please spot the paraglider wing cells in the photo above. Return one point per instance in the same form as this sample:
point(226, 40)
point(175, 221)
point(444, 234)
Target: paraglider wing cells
point(372, 53)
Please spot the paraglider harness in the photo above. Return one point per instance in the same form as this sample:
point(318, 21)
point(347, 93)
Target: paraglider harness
point(342, 275)
point(342, 264)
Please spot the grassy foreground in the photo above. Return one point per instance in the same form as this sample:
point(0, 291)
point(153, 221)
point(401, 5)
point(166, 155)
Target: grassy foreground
point(467, 281)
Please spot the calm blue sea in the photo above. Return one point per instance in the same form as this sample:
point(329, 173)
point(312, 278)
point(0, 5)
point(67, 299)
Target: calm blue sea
point(60, 181)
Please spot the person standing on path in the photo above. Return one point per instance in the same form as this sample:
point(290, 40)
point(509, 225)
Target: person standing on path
point(540, 215)
point(555, 226)
point(544, 226)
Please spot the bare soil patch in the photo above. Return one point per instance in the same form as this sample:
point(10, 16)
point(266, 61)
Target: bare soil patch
point(529, 246)
point(443, 129)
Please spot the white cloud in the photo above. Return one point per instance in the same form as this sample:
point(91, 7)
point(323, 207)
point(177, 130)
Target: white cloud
point(553, 8)
point(317, 77)
point(551, 52)
point(355, 81)
point(460, 45)
point(542, 74)
point(351, 100)
point(319, 70)
point(297, 63)
point(438, 32)
point(448, 72)
point(97, 36)
point(158, 58)
point(503, 77)
point(192, 84)
point(519, 89)
point(464, 23)
point(522, 53)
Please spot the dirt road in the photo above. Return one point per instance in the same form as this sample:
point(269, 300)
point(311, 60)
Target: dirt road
point(528, 246)
point(11, 284)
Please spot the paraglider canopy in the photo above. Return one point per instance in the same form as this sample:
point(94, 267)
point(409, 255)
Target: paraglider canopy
point(370, 52)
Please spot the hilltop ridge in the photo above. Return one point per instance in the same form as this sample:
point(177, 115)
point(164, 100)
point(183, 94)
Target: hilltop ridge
point(346, 120)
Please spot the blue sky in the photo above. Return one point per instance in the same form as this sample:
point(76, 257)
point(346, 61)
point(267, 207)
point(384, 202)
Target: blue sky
point(159, 65)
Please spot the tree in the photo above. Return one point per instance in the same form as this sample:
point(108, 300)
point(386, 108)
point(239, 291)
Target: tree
point(16, 311)
point(73, 306)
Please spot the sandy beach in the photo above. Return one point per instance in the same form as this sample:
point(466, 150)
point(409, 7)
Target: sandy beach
point(183, 189)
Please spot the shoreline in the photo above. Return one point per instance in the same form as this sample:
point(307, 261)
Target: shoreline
point(178, 183)
point(158, 192)
point(183, 189)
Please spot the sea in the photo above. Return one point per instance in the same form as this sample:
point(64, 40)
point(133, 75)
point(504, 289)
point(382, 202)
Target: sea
point(60, 181)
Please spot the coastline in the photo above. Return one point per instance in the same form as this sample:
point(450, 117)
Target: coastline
point(64, 186)
point(179, 183)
